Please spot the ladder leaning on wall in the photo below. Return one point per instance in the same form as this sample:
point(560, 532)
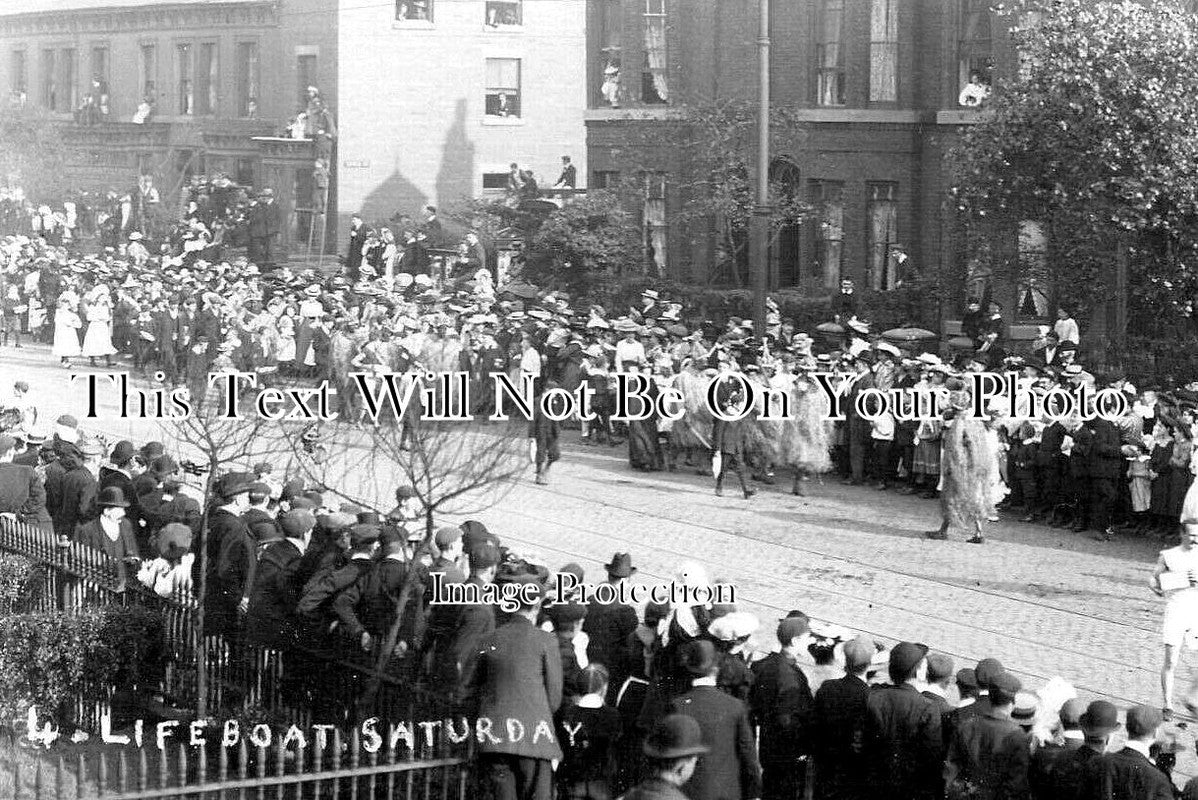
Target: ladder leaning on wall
point(316, 217)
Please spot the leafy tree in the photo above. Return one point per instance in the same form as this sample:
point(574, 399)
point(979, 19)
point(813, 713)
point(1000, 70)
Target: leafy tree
point(587, 244)
point(1096, 136)
point(717, 142)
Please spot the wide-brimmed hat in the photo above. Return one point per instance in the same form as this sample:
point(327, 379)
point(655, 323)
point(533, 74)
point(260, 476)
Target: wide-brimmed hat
point(620, 566)
point(674, 736)
point(112, 497)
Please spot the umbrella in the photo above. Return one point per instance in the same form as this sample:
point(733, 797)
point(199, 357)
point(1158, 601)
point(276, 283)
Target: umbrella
point(906, 335)
point(524, 291)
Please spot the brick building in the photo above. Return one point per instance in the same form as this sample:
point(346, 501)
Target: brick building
point(219, 73)
point(439, 97)
point(876, 86)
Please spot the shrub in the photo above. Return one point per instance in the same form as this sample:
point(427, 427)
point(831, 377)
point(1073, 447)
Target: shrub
point(20, 583)
point(51, 659)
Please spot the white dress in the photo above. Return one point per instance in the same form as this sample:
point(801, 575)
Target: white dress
point(66, 333)
point(98, 339)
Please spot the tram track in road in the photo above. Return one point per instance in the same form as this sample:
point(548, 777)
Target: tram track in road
point(960, 585)
point(851, 623)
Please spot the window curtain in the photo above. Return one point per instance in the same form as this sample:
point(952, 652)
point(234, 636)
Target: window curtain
point(830, 65)
point(655, 223)
point(832, 235)
point(882, 221)
point(655, 54)
point(883, 51)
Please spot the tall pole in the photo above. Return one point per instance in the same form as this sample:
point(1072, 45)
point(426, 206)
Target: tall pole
point(759, 223)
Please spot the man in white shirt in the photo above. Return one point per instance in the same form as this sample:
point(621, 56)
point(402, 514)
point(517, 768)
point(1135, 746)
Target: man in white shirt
point(1176, 579)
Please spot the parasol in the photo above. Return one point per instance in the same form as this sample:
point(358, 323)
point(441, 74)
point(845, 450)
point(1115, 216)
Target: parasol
point(908, 335)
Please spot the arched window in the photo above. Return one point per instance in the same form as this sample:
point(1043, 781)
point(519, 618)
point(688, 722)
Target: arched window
point(974, 48)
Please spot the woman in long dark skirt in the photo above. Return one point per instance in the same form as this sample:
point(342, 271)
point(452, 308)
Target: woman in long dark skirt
point(644, 449)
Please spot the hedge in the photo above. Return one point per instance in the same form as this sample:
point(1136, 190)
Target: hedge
point(20, 583)
point(52, 659)
point(908, 306)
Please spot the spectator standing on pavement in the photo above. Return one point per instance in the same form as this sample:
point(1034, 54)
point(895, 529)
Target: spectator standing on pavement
point(71, 487)
point(1067, 781)
point(838, 728)
point(1130, 773)
point(110, 532)
point(611, 627)
point(673, 749)
point(781, 702)
point(517, 675)
point(22, 493)
point(589, 731)
point(903, 739)
point(232, 559)
point(1066, 327)
point(988, 756)
point(730, 770)
point(1048, 758)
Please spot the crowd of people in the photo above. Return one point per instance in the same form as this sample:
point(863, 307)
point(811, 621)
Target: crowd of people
point(673, 699)
point(287, 564)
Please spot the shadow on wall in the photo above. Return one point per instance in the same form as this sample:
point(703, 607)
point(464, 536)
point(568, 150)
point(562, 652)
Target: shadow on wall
point(396, 194)
point(455, 178)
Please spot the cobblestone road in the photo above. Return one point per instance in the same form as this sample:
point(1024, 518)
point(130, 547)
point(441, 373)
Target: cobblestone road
point(1044, 602)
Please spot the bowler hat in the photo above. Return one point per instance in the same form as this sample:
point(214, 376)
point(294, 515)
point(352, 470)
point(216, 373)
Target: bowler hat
point(112, 497)
point(1100, 717)
point(674, 736)
point(122, 453)
point(363, 533)
point(231, 485)
point(620, 566)
point(698, 658)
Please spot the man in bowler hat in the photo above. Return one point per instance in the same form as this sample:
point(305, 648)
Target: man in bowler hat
point(672, 749)
point(516, 677)
point(730, 771)
point(609, 626)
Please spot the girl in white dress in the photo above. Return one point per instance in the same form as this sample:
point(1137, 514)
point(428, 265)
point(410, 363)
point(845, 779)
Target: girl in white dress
point(98, 339)
point(66, 332)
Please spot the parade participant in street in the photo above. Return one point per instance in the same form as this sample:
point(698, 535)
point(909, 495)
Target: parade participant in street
point(1176, 579)
point(969, 473)
point(543, 435)
point(727, 446)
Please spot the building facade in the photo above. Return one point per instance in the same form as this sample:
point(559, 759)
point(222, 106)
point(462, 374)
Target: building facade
point(439, 97)
point(221, 76)
point(879, 91)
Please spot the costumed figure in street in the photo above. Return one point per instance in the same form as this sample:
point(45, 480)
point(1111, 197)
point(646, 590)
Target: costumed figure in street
point(968, 471)
point(765, 436)
point(644, 450)
point(692, 434)
point(806, 439)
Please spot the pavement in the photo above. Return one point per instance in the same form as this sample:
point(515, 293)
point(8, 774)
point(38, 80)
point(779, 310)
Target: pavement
point(1045, 602)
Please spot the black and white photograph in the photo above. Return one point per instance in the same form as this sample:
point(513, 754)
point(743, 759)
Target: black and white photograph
point(598, 399)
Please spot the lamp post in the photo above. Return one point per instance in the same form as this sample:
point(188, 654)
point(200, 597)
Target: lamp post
point(759, 223)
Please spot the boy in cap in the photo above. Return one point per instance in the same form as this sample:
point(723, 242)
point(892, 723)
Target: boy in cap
point(316, 599)
point(278, 583)
point(903, 738)
point(989, 752)
point(781, 702)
